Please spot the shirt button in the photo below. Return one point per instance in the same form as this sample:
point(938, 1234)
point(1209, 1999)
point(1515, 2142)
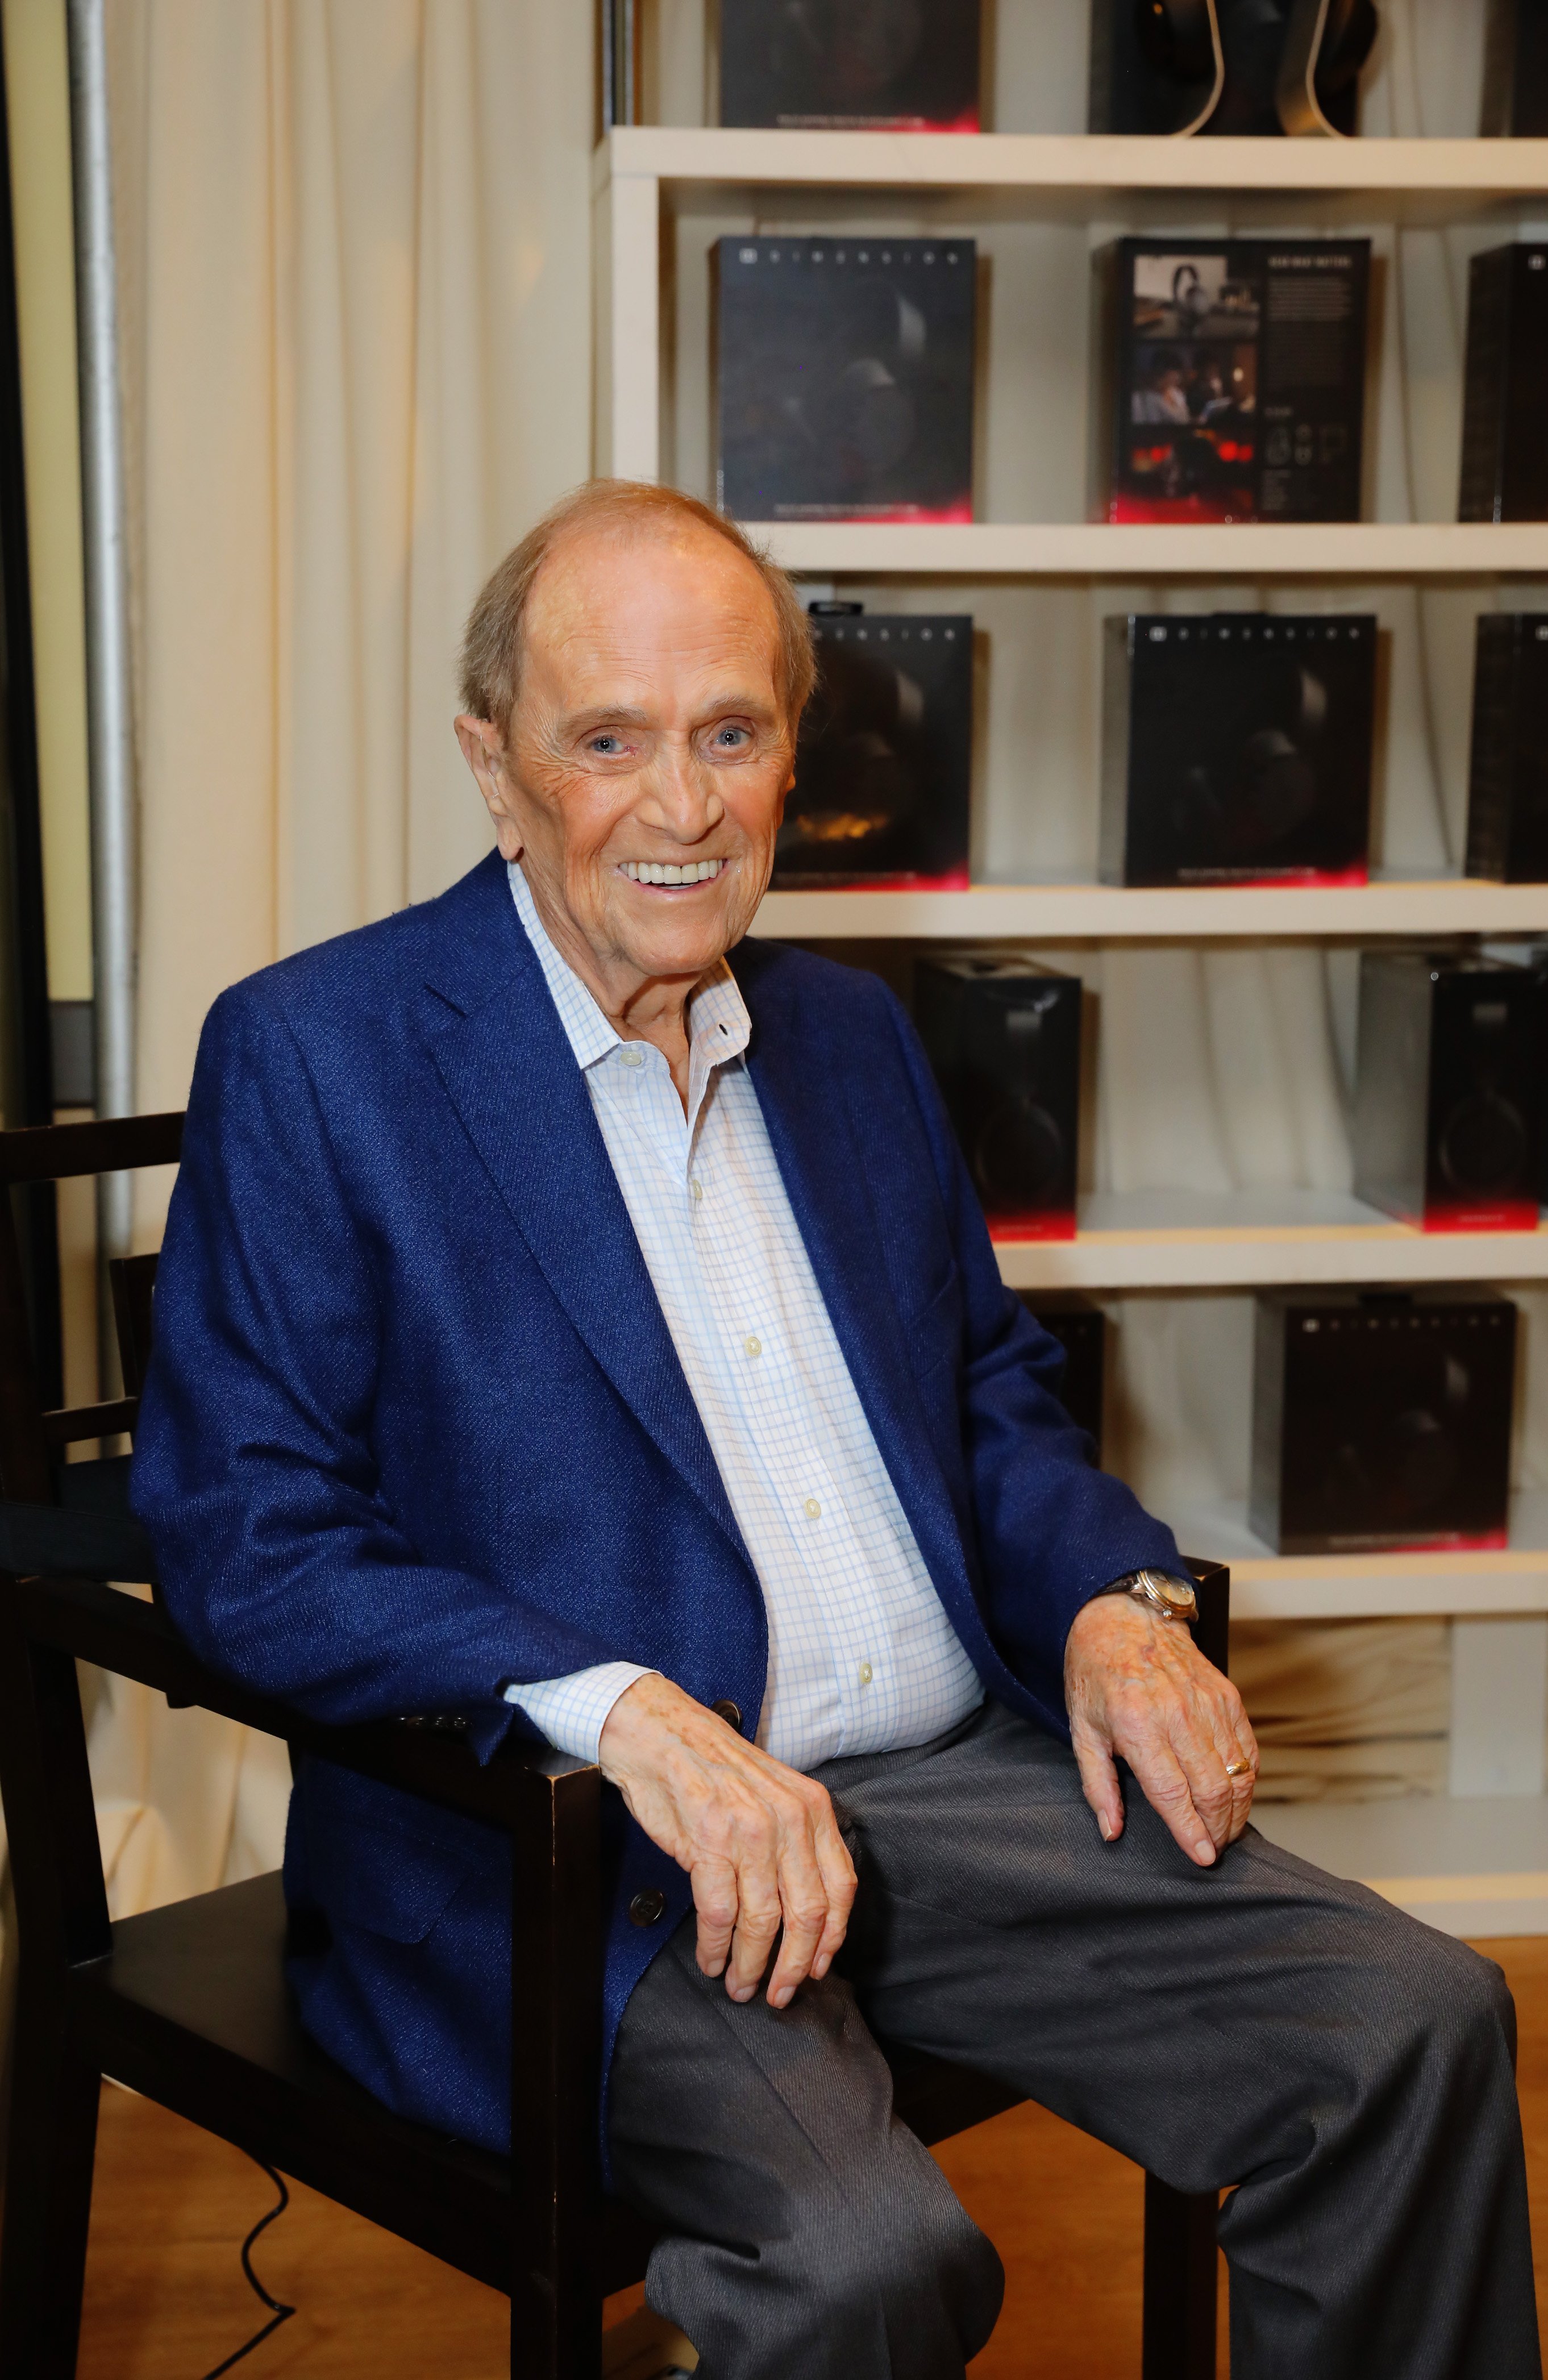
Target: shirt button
point(814, 1510)
point(698, 1189)
point(865, 1673)
point(754, 1347)
point(632, 1057)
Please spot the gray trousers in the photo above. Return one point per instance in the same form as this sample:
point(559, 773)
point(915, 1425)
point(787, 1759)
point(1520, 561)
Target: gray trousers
point(1257, 2024)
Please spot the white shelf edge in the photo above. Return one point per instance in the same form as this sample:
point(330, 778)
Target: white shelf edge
point(1120, 913)
point(1141, 550)
point(1468, 1594)
point(1090, 163)
point(1287, 1256)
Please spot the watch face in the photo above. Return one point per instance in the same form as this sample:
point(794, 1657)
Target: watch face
point(1170, 1591)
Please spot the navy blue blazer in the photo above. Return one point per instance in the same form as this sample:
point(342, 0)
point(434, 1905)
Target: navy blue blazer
point(415, 1425)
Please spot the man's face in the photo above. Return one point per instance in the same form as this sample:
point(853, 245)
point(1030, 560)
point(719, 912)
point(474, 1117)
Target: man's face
point(649, 755)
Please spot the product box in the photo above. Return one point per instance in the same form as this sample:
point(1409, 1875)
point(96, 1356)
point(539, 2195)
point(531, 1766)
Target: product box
point(844, 378)
point(884, 761)
point(1082, 1331)
point(1508, 785)
point(1448, 1091)
point(1003, 1036)
point(1382, 1418)
point(893, 66)
point(1228, 66)
point(1504, 391)
point(1237, 746)
point(1231, 379)
point(1515, 71)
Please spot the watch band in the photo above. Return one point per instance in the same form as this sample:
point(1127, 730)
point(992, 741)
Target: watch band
point(1161, 1591)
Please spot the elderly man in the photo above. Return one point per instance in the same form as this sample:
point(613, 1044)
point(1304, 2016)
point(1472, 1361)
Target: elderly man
point(573, 1315)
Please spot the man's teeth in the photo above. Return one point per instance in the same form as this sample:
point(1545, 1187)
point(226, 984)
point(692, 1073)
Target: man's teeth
point(656, 871)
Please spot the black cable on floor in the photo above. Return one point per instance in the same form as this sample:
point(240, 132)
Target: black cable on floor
point(279, 2312)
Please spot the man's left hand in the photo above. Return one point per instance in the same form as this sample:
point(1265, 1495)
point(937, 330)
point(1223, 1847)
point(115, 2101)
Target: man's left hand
point(1138, 1690)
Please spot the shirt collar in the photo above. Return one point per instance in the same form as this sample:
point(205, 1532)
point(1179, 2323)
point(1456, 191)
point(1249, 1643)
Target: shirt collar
point(718, 1024)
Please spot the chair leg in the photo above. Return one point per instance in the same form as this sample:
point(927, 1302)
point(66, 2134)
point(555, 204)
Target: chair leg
point(50, 2146)
point(1180, 2283)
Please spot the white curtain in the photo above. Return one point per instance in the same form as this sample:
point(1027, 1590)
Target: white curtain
point(356, 287)
point(355, 259)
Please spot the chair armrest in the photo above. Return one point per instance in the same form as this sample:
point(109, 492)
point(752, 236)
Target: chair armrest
point(131, 1639)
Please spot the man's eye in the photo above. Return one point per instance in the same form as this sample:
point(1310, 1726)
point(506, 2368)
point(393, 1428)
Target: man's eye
point(731, 739)
point(607, 744)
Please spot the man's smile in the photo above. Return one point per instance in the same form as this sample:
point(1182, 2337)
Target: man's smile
point(656, 871)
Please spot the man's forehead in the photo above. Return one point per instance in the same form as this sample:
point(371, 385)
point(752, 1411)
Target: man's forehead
point(616, 609)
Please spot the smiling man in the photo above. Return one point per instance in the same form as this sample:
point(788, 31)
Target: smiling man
point(574, 1315)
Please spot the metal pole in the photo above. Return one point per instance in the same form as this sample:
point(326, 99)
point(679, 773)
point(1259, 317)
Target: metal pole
point(108, 660)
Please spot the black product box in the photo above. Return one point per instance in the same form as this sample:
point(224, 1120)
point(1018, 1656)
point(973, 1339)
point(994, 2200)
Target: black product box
point(844, 378)
point(884, 761)
point(1448, 1091)
point(1380, 1418)
point(1231, 379)
point(1236, 747)
point(1507, 786)
point(1219, 67)
point(1082, 1331)
point(894, 66)
point(1516, 70)
point(1003, 1036)
point(1504, 391)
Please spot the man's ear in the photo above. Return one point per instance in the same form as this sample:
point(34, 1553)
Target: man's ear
point(484, 752)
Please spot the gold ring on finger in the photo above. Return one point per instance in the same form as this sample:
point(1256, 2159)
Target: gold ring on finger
point(1238, 1767)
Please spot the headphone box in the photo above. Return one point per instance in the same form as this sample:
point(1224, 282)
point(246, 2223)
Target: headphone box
point(1082, 1331)
point(1382, 1418)
point(884, 759)
point(1217, 67)
point(1237, 746)
point(892, 65)
point(1003, 1036)
point(1504, 385)
point(1515, 71)
point(1508, 785)
point(1448, 1091)
point(1230, 380)
point(844, 372)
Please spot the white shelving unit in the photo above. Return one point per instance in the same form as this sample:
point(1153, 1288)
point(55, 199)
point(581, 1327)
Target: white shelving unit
point(1477, 1861)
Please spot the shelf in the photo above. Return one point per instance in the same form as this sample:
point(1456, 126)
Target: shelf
point(1362, 551)
point(1416, 180)
point(1188, 1239)
point(1471, 1867)
point(1115, 913)
point(1266, 1586)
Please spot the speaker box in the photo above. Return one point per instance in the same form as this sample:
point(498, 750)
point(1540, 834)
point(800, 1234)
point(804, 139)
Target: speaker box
point(1236, 747)
point(1515, 71)
point(897, 65)
point(884, 761)
point(1507, 786)
point(1380, 1418)
point(1003, 1036)
point(1448, 1091)
point(1504, 453)
point(1082, 1331)
point(844, 378)
point(1228, 65)
point(1231, 379)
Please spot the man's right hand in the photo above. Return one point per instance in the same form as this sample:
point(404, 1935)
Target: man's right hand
point(759, 1841)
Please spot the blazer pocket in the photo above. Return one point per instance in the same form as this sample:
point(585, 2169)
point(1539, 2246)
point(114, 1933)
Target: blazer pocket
point(386, 1882)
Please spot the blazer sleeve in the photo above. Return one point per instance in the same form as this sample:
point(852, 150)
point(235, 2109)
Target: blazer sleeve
point(280, 1561)
point(1051, 1529)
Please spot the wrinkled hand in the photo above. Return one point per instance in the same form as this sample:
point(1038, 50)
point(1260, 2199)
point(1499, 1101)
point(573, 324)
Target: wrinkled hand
point(759, 1840)
point(1138, 1690)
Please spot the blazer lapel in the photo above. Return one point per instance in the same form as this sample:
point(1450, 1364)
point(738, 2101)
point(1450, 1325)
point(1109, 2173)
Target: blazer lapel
point(802, 1091)
point(511, 1074)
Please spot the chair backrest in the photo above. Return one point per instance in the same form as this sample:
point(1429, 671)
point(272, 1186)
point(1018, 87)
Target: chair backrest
point(56, 1863)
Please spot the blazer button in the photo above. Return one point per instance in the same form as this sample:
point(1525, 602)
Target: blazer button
point(731, 1712)
point(645, 1907)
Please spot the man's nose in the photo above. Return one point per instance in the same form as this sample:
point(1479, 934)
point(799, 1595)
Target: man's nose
point(682, 794)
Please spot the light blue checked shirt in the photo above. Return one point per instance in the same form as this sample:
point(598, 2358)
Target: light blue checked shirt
point(862, 1656)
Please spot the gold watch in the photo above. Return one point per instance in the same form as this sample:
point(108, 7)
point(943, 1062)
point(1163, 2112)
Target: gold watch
point(1160, 1591)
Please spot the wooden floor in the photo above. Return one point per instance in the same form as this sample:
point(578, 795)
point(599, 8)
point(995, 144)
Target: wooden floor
point(166, 2299)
